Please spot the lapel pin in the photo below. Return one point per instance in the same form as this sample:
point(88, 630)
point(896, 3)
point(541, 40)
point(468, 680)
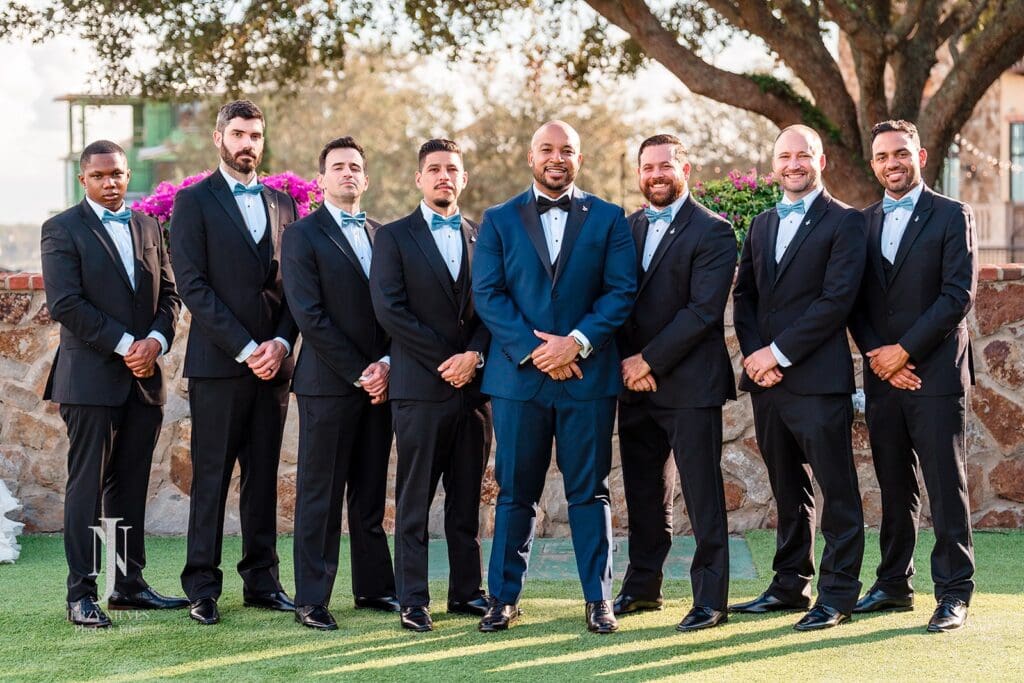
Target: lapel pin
point(672, 231)
point(917, 218)
point(585, 208)
point(807, 222)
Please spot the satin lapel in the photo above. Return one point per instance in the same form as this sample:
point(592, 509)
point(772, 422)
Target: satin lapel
point(421, 234)
point(810, 220)
point(875, 244)
point(138, 248)
point(96, 227)
point(678, 224)
point(573, 225)
point(371, 230)
point(531, 223)
point(769, 249)
point(639, 228)
point(468, 247)
point(333, 232)
point(222, 193)
point(918, 219)
point(273, 217)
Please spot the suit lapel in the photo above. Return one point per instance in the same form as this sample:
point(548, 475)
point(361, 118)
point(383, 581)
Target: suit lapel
point(917, 221)
point(875, 244)
point(421, 234)
point(639, 227)
point(273, 217)
point(138, 247)
point(96, 227)
point(573, 224)
point(531, 223)
point(333, 232)
point(468, 247)
point(817, 210)
point(222, 193)
point(769, 249)
point(678, 224)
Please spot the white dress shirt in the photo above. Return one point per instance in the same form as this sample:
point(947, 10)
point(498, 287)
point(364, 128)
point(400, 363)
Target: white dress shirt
point(121, 235)
point(787, 231)
point(357, 237)
point(895, 224)
point(449, 242)
point(657, 230)
point(251, 206)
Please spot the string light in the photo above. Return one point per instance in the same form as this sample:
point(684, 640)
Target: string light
point(1001, 165)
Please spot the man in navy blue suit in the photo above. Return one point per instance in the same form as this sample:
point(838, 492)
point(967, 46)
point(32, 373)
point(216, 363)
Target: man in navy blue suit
point(553, 279)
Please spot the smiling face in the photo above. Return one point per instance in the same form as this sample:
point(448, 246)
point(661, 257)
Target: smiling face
point(241, 144)
point(441, 179)
point(344, 178)
point(797, 162)
point(554, 157)
point(662, 174)
point(897, 159)
point(105, 179)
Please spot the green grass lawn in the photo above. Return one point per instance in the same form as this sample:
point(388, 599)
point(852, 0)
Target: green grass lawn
point(549, 642)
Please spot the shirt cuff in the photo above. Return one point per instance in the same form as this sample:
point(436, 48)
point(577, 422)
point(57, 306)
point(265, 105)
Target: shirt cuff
point(582, 339)
point(480, 360)
point(122, 346)
point(160, 338)
point(287, 346)
point(386, 360)
point(246, 351)
point(779, 356)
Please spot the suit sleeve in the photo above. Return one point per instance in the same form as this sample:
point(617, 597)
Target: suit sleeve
point(303, 288)
point(495, 306)
point(391, 304)
point(612, 307)
point(956, 295)
point(169, 303)
point(745, 298)
point(286, 325)
point(65, 297)
point(189, 261)
point(714, 264)
point(864, 334)
point(829, 312)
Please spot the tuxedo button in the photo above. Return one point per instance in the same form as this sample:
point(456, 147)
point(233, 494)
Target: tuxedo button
point(554, 295)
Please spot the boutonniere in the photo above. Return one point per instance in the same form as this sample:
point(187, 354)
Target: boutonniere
point(585, 208)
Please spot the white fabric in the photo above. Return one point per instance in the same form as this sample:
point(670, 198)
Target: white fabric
point(895, 224)
point(449, 242)
point(251, 206)
point(788, 225)
point(9, 530)
point(657, 230)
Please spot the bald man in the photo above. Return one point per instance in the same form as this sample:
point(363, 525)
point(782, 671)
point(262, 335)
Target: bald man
point(798, 279)
point(553, 279)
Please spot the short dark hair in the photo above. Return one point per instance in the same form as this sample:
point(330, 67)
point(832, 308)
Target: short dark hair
point(245, 109)
point(99, 147)
point(896, 126)
point(344, 142)
point(437, 145)
point(663, 139)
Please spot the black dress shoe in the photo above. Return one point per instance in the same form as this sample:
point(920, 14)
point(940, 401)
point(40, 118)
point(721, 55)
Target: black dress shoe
point(877, 600)
point(278, 600)
point(627, 604)
point(950, 614)
point(600, 617)
point(821, 616)
point(204, 610)
point(147, 598)
point(384, 603)
point(316, 616)
point(499, 615)
point(417, 619)
point(702, 617)
point(476, 607)
point(87, 613)
point(766, 602)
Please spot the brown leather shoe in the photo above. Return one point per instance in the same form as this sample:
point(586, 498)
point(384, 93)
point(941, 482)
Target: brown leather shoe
point(601, 617)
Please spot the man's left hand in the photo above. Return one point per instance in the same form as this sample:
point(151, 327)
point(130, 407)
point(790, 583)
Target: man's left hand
point(886, 360)
point(265, 361)
point(142, 355)
point(634, 369)
point(554, 351)
point(759, 363)
point(460, 369)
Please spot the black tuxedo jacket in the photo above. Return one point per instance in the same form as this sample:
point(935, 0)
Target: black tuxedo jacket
point(89, 294)
point(233, 293)
point(802, 303)
point(329, 296)
point(677, 320)
point(429, 317)
point(922, 302)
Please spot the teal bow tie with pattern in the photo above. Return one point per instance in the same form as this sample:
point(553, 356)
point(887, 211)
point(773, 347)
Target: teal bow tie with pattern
point(889, 204)
point(349, 220)
point(439, 223)
point(655, 216)
point(241, 189)
point(786, 209)
point(122, 217)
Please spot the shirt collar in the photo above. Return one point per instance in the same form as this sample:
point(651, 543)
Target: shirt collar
point(807, 199)
point(428, 213)
point(914, 194)
point(234, 181)
point(334, 211)
point(98, 210)
point(537, 194)
point(677, 203)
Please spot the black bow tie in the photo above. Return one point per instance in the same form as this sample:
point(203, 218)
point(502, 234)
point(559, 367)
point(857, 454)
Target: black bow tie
point(544, 204)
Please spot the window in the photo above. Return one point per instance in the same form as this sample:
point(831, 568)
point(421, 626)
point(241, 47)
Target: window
point(951, 172)
point(1017, 162)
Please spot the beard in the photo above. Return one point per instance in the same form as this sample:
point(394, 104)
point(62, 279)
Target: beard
point(800, 185)
point(911, 177)
point(664, 195)
point(554, 185)
point(444, 202)
point(240, 165)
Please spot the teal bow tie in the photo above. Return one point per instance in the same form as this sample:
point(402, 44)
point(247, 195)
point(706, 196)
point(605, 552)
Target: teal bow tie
point(242, 189)
point(786, 209)
point(439, 223)
point(358, 220)
point(122, 217)
point(889, 204)
point(655, 216)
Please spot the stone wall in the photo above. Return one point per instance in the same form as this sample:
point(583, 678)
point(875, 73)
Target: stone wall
point(33, 445)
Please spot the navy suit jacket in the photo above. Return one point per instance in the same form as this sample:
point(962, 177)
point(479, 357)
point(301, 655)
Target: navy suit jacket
point(517, 291)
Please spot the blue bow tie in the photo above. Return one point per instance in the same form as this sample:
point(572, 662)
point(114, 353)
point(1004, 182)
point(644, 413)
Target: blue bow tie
point(439, 223)
point(122, 217)
point(358, 220)
point(786, 209)
point(655, 216)
point(889, 204)
point(242, 189)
